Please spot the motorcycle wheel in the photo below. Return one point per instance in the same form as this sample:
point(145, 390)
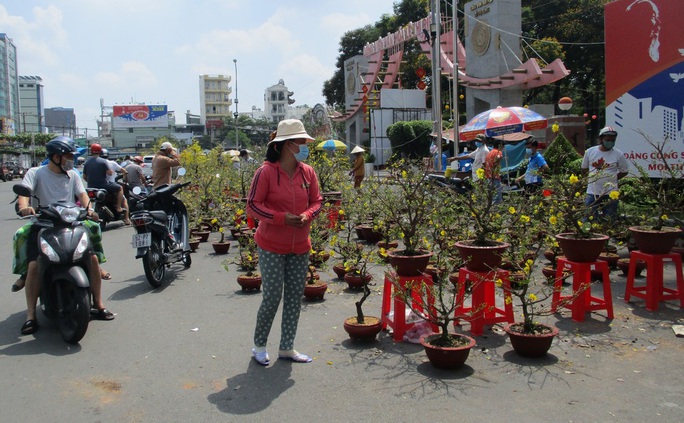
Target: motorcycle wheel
point(153, 263)
point(75, 312)
point(187, 260)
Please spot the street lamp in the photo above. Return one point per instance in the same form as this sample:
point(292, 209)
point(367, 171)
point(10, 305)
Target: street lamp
point(237, 140)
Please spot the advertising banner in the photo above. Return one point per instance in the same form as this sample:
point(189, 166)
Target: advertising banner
point(645, 79)
point(140, 116)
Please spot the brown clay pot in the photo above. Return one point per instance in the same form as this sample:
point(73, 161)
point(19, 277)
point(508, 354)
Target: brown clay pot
point(194, 244)
point(611, 258)
point(581, 250)
point(315, 291)
point(249, 283)
point(448, 358)
point(530, 345)
point(409, 265)
point(221, 247)
point(387, 245)
point(623, 265)
point(483, 258)
point(203, 236)
point(365, 332)
point(370, 235)
point(649, 241)
point(339, 270)
point(356, 281)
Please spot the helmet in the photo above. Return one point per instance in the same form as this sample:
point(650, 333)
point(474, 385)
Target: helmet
point(137, 159)
point(95, 149)
point(60, 145)
point(608, 130)
point(105, 153)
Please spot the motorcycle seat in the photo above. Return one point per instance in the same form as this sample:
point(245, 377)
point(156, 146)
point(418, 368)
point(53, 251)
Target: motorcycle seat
point(159, 215)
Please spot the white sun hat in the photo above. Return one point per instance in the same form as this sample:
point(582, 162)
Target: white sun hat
point(358, 149)
point(291, 129)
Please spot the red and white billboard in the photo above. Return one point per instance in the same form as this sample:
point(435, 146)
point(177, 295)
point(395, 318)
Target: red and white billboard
point(645, 78)
point(140, 116)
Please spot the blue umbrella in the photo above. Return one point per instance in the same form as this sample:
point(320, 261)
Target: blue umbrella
point(331, 145)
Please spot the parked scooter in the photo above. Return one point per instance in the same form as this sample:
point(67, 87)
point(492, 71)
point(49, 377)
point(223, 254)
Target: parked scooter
point(104, 204)
point(161, 224)
point(460, 186)
point(63, 264)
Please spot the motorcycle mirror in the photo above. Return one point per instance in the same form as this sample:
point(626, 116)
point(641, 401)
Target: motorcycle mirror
point(23, 190)
point(181, 171)
point(136, 190)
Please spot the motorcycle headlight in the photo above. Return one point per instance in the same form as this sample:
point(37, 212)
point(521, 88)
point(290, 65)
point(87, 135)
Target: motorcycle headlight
point(48, 251)
point(68, 214)
point(81, 247)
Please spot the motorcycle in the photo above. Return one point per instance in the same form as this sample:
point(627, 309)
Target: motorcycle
point(162, 236)
point(460, 186)
point(104, 204)
point(63, 265)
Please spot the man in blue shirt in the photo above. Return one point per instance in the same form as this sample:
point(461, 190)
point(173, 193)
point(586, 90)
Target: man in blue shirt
point(535, 168)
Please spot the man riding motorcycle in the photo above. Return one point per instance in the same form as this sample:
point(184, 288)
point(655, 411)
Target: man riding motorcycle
point(55, 182)
point(95, 172)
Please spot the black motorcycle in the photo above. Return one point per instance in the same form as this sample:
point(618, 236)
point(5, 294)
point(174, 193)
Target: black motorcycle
point(63, 263)
point(460, 186)
point(161, 224)
point(104, 204)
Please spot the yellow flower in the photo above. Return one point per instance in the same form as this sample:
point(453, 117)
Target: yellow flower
point(511, 210)
point(555, 127)
point(499, 282)
point(442, 233)
point(524, 218)
point(222, 230)
point(532, 297)
point(614, 195)
point(508, 300)
point(574, 179)
point(239, 212)
point(404, 174)
point(383, 252)
point(401, 235)
point(577, 194)
point(341, 212)
point(214, 221)
point(663, 217)
point(480, 173)
point(553, 220)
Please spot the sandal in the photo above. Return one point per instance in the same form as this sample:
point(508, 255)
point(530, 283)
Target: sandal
point(18, 285)
point(30, 327)
point(294, 356)
point(104, 314)
point(261, 357)
point(105, 275)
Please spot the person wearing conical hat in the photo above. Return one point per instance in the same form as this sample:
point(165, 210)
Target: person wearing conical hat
point(358, 169)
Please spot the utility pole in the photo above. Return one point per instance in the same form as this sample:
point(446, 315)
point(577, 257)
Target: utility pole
point(237, 140)
point(435, 32)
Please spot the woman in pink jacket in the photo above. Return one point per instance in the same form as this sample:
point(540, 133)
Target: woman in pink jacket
point(284, 197)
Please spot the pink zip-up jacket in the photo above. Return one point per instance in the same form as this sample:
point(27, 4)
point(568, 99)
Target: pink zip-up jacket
point(274, 193)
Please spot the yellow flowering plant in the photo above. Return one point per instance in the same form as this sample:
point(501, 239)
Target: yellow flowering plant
point(248, 257)
point(562, 205)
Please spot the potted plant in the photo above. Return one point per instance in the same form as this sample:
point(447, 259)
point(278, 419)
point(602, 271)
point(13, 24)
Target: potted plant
point(314, 289)
point(436, 303)
point(221, 246)
point(247, 260)
point(661, 202)
point(483, 248)
point(361, 327)
point(405, 200)
point(563, 203)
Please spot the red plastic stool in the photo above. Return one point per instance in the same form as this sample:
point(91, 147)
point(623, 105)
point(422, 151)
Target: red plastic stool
point(483, 300)
point(654, 291)
point(581, 300)
point(398, 322)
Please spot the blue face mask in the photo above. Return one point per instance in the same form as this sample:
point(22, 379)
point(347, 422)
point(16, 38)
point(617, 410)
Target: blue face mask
point(608, 145)
point(303, 153)
point(478, 144)
point(528, 151)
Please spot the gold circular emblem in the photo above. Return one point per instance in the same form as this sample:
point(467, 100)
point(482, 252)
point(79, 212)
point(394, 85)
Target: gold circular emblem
point(480, 36)
point(351, 83)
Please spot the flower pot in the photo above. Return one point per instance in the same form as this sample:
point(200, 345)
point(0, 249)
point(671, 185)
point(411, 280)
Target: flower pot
point(370, 235)
point(203, 236)
point(249, 283)
point(315, 291)
point(650, 241)
point(387, 245)
point(339, 270)
point(365, 332)
point(317, 259)
point(610, 258)
point(193, 243)
point(409, 265)
point(359, 232)
point(531, 345)
point(582, 250)
point(483, 258)
point(447, 357)
point(356, 281)
point(516, 279)
point(221, 247)
point(623, 265)
point(550, 255)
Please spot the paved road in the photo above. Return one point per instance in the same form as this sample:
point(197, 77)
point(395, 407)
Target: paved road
point(151, 365)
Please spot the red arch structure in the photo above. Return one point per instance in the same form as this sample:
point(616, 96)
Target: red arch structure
point(526, 76)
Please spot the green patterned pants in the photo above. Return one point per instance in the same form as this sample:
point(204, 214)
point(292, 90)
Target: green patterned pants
point(20, 261)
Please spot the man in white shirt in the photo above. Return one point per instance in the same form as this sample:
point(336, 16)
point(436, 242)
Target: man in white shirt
point(605, 166)
point(477, 156)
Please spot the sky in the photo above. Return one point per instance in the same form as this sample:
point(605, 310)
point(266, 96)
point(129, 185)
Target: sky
point(153, 51)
